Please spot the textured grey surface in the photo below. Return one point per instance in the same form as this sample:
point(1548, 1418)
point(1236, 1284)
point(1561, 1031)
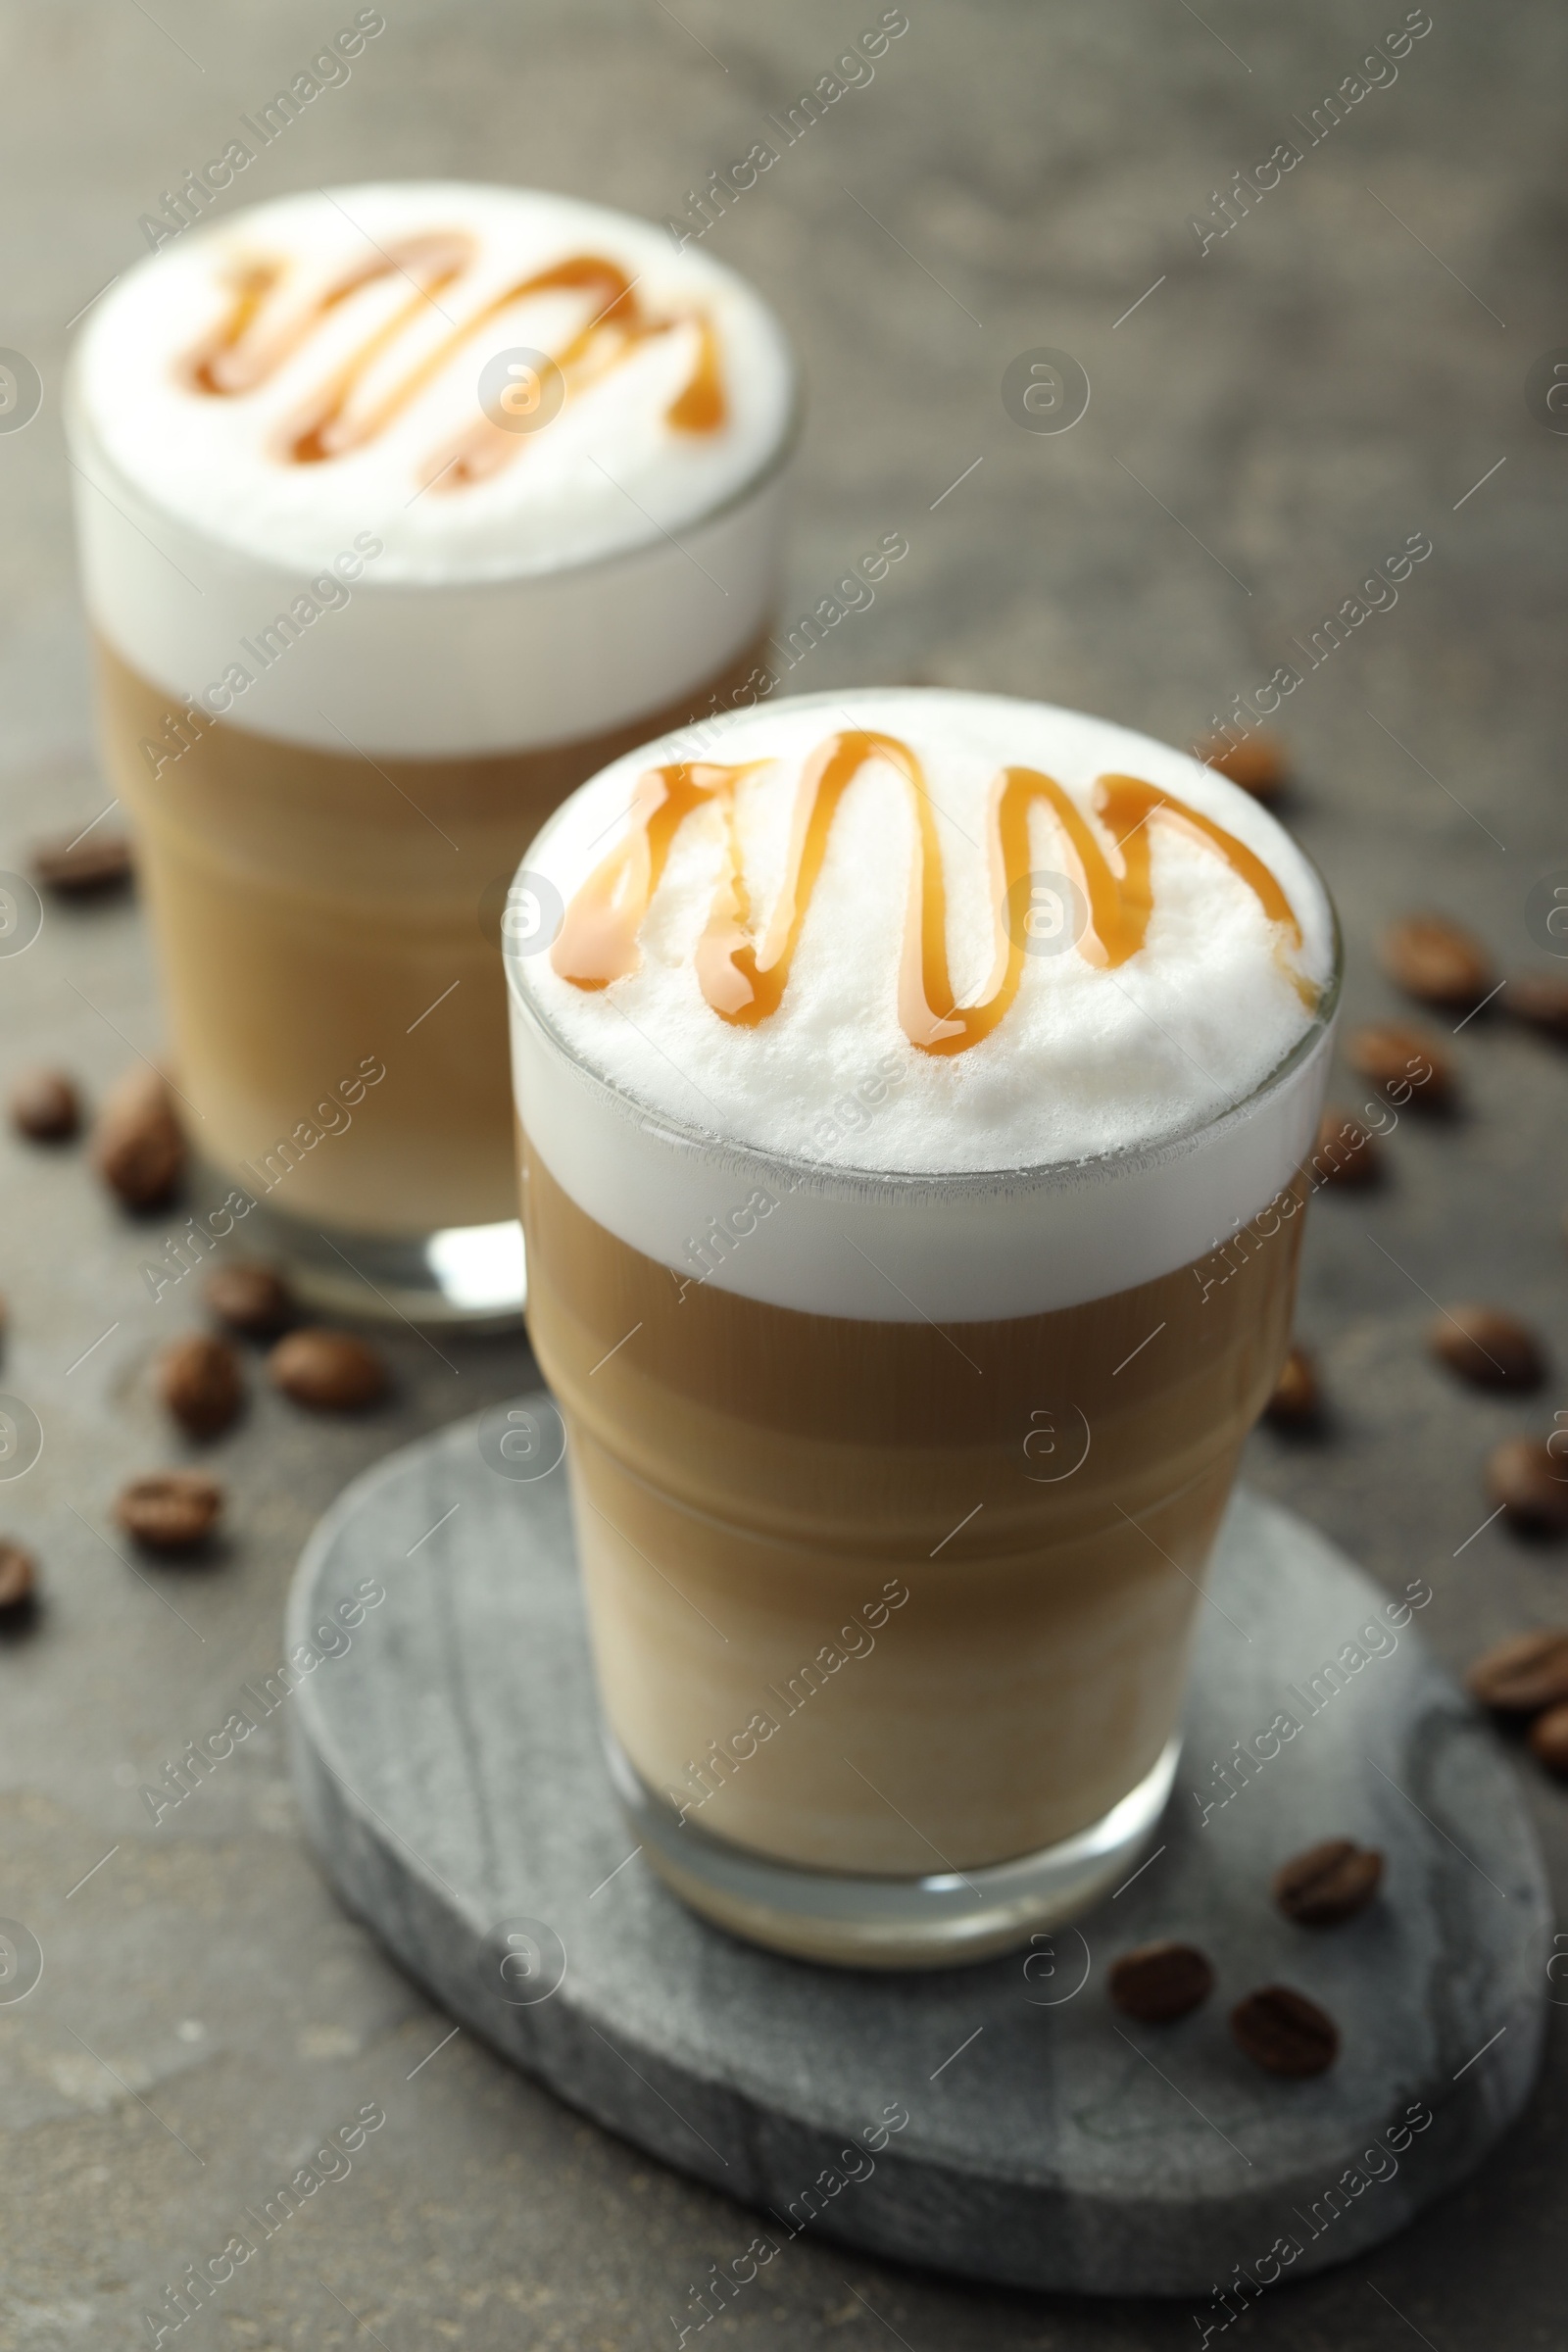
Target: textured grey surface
point(450, 1774)
point(1301, 398)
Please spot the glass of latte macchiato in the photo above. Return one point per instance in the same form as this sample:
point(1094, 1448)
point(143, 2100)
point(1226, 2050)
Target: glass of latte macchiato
point(403, 508)
point(914, 1092)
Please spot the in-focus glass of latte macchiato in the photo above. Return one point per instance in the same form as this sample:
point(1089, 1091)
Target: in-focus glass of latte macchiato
point(403, 508)
point(914, 1098)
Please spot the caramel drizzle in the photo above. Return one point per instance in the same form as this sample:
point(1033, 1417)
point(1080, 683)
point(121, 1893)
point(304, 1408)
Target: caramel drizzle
point(743, 969)
point(242, 352)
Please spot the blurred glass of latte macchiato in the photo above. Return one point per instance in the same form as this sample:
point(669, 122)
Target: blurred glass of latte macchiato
point(403, 508)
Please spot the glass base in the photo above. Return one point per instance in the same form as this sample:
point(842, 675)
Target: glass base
point(471, 1277)
point(940, 1922)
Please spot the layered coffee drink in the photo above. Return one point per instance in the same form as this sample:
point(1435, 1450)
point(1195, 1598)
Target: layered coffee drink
point(403, 510)
point(914, 1100)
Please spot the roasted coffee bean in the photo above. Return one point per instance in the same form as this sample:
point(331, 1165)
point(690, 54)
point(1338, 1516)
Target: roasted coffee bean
point(1432, 959)
point(251, 1299)
point(1329, 1883)
point(1258, 764)
point(1157, 1981)
point(1297, 1401)
point(137, 1146)
point(18, 1575)
point(1488, 1347)
point(45, 1106)
point(1282, 2031)
point(1531, 1481)
point(200, 1381)
point(1548, 1740)
point(1524, 1674)
point(1541, 1000)
point(76, 867)
point(1409, 1066)
point(331, 1371)
point(170, 1510)
point(1345, 1154)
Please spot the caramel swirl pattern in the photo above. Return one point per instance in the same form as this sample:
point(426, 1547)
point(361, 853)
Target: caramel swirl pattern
point(743, 966)
point(264, 326)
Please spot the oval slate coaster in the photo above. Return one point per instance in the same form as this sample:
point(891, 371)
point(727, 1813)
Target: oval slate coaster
point(449, 1769)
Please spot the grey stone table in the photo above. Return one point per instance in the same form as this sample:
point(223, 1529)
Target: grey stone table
point(1281, 410)
point(447, 1756)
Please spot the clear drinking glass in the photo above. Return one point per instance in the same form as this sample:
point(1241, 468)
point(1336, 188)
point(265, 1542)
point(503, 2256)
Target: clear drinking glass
point(332, 765)
point(891, 1618)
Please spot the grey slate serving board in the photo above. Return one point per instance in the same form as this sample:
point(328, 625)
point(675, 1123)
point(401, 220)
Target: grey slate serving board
point(449, 1768)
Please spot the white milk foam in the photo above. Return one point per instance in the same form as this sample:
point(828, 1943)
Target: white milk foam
point(540, 601)
point(1109, 1129)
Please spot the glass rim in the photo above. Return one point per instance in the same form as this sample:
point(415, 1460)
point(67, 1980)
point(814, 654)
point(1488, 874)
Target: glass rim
point(804, 1174)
